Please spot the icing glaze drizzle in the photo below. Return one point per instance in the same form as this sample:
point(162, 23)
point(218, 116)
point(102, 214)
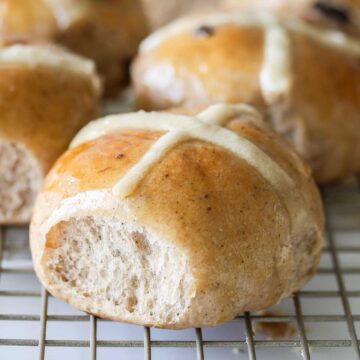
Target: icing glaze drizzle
point(128, 184)
point(207, 126)
point(276, 73)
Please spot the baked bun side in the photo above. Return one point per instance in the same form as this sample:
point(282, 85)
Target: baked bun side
point(144, 220)
point(265, 60)
point(46, 96)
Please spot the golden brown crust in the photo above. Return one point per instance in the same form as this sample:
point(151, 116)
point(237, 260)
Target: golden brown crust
point(225, 66)
point(113, 154)
point(194, 72)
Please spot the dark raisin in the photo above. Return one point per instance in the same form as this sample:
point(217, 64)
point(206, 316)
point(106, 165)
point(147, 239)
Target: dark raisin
point(204, 31)
point(336, 13)
point(119, 156)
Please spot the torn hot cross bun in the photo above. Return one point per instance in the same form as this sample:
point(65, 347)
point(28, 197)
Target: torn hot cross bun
point(46, 95)
point(177, 221)
point(304, 80)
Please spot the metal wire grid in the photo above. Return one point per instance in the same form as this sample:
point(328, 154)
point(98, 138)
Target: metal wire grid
point(250, 344)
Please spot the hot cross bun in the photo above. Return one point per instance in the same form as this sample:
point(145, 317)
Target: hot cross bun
point(177, 221)
point(46, 95)
point(305, 80)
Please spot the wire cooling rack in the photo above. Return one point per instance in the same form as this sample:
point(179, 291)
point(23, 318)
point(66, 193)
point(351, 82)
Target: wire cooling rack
point(325, 315)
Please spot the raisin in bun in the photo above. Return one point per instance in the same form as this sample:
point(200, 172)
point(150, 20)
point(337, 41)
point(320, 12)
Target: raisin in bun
point(305, 80)
point(46, 95)
point(177, 221)
point(343, 15)
point(107, 31)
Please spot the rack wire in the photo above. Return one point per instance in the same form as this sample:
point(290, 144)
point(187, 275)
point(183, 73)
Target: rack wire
point(342, 206)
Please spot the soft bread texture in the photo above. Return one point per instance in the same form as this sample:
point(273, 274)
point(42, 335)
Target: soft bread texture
point(343, 15)
point(20, 181)
point(107, 31)
point(42, 105)
point(229, 57)
point(203, 237)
